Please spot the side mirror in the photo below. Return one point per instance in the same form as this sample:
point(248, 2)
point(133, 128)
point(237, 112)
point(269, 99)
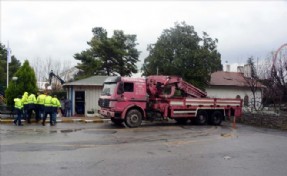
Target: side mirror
point(120, 88)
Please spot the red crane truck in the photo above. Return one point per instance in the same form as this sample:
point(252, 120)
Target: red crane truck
point(132, 100)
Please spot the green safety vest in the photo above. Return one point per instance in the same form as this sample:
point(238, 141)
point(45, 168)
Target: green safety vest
point(18, 103)
point(31, 99)
point(24, 98)
point(41, 99)
point(56, 102)
point(48, 101)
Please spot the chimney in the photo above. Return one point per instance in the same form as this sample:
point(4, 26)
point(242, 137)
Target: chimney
point(247, 71)
point(240, 69)
point(227, 68)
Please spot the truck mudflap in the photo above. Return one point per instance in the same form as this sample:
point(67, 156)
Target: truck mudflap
point(107, 113)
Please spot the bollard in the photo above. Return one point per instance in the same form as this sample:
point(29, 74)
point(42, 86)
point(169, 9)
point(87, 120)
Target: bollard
point(234, 122)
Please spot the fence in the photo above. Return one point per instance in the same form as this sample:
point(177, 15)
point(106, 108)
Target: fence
point(7, 111)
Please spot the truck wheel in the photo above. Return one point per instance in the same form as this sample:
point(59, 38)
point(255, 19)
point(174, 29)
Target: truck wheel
point(117, 121)
point(216, 118)
point(181, 121)
point(201, 118)
point(133, 118)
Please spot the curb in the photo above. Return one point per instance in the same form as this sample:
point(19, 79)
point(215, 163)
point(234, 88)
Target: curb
point(5, 121)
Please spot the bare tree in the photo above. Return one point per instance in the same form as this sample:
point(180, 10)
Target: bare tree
point(253, 82)
point(43, 67)
point(273, 74)
point(279, 71)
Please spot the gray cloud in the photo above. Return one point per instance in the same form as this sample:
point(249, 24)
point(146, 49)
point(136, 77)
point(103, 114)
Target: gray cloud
point(61, 29)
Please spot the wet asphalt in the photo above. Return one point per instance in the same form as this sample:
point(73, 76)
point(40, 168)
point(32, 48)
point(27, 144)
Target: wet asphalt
point(154, 149)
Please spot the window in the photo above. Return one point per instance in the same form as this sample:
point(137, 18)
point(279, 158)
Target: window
point(128, 87)
point(109, 89)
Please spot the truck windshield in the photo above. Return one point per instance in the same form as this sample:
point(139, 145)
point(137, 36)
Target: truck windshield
point(109, 88)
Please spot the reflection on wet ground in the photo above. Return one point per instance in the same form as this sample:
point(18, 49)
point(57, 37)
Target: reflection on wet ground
point(75, 136)
point(105, 149)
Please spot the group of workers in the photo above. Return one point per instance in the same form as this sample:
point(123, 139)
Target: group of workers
point(43, 105)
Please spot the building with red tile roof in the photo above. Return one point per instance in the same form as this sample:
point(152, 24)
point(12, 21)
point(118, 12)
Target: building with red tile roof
point(226, 84)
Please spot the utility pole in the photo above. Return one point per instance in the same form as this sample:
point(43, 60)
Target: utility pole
point(8, 61)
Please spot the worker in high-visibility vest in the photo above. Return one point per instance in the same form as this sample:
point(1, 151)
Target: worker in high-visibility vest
point(48, 109)
point(31, 101)
point(25, 105)
point(56, 104)
point(40, 106)
point(18, 105)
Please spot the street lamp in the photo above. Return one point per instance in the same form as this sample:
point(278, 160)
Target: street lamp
point(14, 78)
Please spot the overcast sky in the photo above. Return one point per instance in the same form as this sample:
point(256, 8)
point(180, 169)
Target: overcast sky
point(59, 29)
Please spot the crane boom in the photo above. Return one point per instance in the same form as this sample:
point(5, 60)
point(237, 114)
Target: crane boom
point(191, 90)
point(157, 84)
point(52, 74)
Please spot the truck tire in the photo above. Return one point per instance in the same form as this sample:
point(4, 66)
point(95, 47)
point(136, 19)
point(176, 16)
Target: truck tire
point(133, 118)
point(201, 118)
point(117, 121)
point(216, 118)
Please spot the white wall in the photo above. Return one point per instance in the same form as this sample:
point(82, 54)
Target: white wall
point(227, 92)
point(92, 95)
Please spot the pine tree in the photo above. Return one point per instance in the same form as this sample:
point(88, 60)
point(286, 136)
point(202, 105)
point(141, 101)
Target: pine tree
point(115, 55)
point(26, 82)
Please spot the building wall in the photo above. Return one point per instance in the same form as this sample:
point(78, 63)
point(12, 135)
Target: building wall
point(92, 95)
point(229, 92)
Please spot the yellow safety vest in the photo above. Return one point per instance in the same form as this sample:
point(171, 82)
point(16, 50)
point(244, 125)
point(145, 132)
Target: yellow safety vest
point(48, 101)
point(18, 103)
point(32, 99)
point(41, 99)
point(56, 102)
point(24, 98)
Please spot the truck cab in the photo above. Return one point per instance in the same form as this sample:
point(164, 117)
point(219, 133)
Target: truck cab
point(124, 99)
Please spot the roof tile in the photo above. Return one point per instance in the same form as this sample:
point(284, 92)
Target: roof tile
point(222, 78)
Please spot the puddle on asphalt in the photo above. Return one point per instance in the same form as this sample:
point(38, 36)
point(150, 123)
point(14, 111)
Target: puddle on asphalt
point(52, 131)
point(69, 130)
point(55, 131)
point(64, 130)
point(100, 131)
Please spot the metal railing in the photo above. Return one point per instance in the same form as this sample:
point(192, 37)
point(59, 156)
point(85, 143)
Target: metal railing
point(7, 110)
